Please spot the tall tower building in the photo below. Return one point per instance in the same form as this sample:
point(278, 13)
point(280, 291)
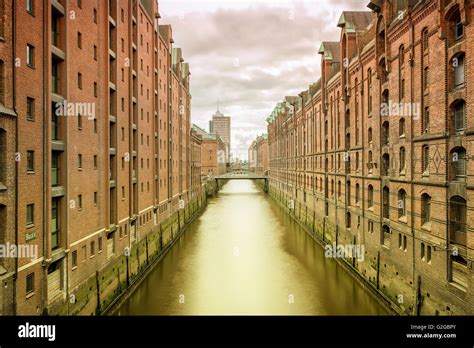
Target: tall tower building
point(220, 125)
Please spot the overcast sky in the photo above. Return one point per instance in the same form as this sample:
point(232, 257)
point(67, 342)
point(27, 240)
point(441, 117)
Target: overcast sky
point(250, 54)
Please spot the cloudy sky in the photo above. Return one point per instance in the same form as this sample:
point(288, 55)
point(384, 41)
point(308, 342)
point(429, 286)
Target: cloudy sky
point(250, 54)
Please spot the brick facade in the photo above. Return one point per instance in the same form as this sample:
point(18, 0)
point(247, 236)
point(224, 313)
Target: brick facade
point(111, 174)
point(397, 181)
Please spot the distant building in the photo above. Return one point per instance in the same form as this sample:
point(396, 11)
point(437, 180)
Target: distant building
point(258, 155)
point(220, 125)
point(196, 159)
point(213, 149)
point(253, 156)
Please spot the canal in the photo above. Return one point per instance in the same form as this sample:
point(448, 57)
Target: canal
point(244, 255)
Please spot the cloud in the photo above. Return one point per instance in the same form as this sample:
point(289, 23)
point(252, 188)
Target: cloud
point(249, 54)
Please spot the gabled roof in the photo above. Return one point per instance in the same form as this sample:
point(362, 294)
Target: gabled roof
point(330, 51)
point(355, 21)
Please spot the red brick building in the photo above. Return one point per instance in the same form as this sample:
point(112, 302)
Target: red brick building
point(259, 155)
point(375, 152)
point(100, 101)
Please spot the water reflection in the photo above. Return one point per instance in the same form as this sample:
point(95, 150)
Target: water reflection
point(246, 256)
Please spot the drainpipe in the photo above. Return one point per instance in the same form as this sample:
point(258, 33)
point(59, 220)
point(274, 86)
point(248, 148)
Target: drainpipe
point(412, 148)
point(15, 276)
point(45, 168)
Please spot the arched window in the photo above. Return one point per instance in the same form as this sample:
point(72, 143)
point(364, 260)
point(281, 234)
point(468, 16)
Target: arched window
point(385, 133)
point(425, 39)
point(402, 203)
point(2, 78)
point(458, 27)
point(402, 159)
point(369, 91)
point(401, 55)
point(339, 188)
point(357, 194)
point(369, 161)
point(369, 134)
point(425, 208)
point(370, 196)
point(385, 164)
point(348, 220)
point(401, 127)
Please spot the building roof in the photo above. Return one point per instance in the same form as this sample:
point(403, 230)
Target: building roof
point(331, 50)
point(355, 21)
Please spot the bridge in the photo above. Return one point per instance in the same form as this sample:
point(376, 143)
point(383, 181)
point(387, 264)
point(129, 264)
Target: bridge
point(243, 175)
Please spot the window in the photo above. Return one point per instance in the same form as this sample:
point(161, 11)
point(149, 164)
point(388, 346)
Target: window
point(402, 159)
point(425, 40)
point(370, 134)
point(79, 39)
point(425, 208)
point(386, 202)
point(30, 283)
point(79, 121)
point(369, 160)
point(30, 214)
point(79, 201)
point(402, 211)
point(79, 161)
point(123, 192)
point(30, 7)
point(99, 244)
point(2, 79)
point(401, 127)
point(95, 89)
point(95, 125)
point(74, 258)
point(458, 158)
point(369, 91)
point(95, 198)
point(92, 248)
point(422, 251)
point(55, 223)
point(459, 70)
point(425, 159)
point(428, 254)
point(95, 52)
point(94, 16)
point(426, 78)
point(370, 196)
point(30, 161)
point(401, 54)
point(425, 126)
point(459, 116)
point(79, 80)
point(30, 56)
point(30, 109)
point(458, 28)
point(55, 169)
point(79, 3)
point(357, 195)
point(386, 133)
point(457, 220)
